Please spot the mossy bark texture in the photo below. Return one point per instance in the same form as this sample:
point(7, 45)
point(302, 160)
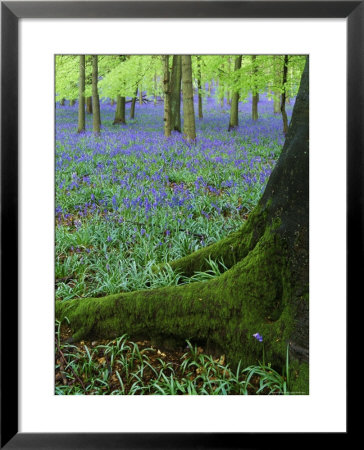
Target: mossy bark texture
point(265, 289)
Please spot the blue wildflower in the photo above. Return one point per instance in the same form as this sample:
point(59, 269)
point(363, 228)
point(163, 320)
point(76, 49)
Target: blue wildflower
point(258, 337)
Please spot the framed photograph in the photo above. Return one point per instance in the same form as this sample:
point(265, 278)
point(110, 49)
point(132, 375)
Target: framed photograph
point(167, 144)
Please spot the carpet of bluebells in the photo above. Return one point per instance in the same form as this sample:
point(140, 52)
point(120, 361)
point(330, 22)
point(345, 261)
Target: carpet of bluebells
point(130, 198)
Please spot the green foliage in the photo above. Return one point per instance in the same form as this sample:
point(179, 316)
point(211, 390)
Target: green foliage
point(123, 74)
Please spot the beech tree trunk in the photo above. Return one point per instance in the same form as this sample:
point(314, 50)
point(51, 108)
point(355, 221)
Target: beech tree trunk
point(265, 289)
point(189, 127)
point(89, 105)
point(255, 95)
point(96, 119)
point(175, 89)
point(234, 109)
point(132, 106)
point(120, 110)
point(283, 100)
point(199, 89)
point(81, 96)
point(167, 97)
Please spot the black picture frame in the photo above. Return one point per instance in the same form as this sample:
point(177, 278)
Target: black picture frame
point(11, 12)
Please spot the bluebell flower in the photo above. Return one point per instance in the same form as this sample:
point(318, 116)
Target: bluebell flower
point(258, 337)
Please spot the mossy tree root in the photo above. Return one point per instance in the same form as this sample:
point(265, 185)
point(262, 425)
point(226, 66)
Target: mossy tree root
point(253, 296)
point(229, 250)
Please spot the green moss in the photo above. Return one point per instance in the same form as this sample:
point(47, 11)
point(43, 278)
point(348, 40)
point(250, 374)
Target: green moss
point(299, 384)
point(231, 249)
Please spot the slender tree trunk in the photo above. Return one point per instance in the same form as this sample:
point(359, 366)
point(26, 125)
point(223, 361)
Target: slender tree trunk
point(255, 115)
point(112, 102)
point(199, 89)
point(140, 95)
point(167, 97)
point(96, 119)
point(132, 106)
point(81, 95)
point(234, 115)
point(189, 129)
point(175, 88)
point(120, 110)
point(72, 102)
point(62, 102)
point(120, 103)
point(255, 97)
point(89, 105)
point(265, 289)
point(283, 101)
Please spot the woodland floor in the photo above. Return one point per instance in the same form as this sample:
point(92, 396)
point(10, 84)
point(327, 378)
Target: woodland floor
point(160, 359)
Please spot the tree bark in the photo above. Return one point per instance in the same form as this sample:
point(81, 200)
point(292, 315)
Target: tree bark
point(120, 110)
point(81, 96)
point(189, 128)
point(96, 119)
point(199, 89)
point(62, 102)
point(167, 97)
point(132, 106)
point(255, 95)
point(234, 109)
point(72, 102)
point(283, 100)
point(265, 289)
point(175, 89)
point(89, 105)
